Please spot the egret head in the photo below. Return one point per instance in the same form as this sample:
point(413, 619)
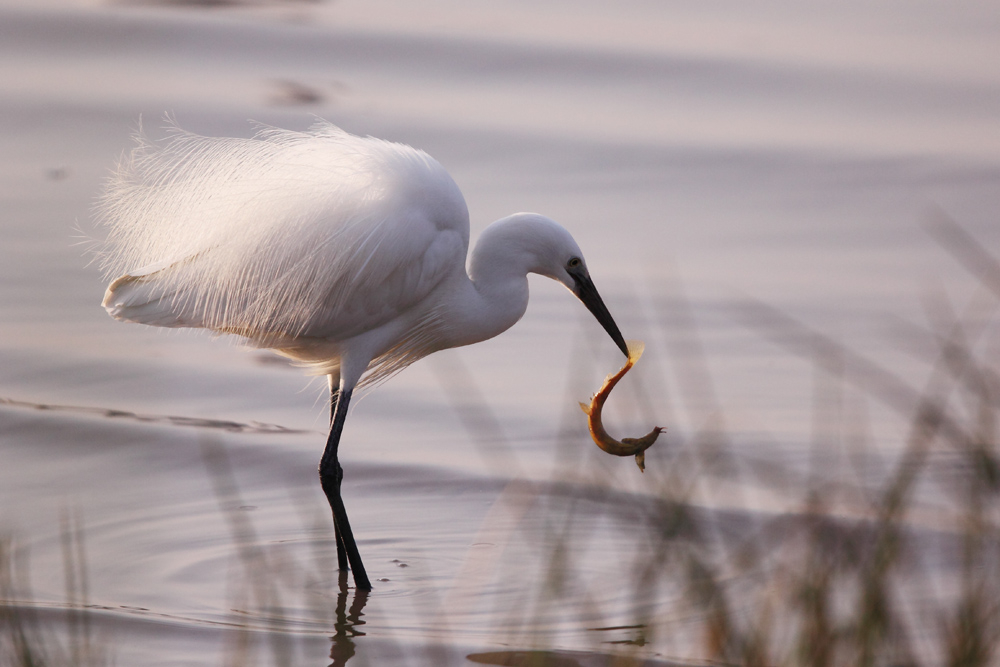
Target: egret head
point(548, 249)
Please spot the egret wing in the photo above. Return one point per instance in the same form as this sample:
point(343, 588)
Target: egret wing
point(286, 234)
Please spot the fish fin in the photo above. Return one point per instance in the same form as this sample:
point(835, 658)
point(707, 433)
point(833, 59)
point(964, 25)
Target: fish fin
point(585, 407)
point(635, 349)
point(640, 460)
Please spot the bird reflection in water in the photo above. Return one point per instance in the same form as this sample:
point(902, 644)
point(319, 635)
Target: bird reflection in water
point(347, 622)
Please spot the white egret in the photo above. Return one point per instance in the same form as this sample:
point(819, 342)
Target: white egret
point(343, 253)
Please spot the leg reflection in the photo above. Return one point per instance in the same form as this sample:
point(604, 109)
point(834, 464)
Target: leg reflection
point(345, 627)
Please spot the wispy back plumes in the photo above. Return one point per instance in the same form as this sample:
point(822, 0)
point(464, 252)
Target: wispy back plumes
point(278, 236)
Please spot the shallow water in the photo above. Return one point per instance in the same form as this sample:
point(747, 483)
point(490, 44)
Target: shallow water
point(703, 154)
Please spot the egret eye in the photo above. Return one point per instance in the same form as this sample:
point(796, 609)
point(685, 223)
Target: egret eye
point(331, 294)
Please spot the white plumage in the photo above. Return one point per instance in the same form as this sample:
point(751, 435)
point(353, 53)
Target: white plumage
point(345, 253)
point(286, 238)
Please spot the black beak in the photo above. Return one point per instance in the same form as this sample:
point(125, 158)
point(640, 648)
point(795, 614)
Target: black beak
point(587, 293)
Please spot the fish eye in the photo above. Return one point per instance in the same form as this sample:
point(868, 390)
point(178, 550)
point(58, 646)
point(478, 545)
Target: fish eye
point(574, 263)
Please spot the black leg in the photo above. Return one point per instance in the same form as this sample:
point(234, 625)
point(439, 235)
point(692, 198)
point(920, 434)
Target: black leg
point(341, 551)
point(330, 476)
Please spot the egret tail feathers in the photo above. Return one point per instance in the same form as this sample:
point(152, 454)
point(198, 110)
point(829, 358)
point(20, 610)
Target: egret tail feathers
point(150, 296)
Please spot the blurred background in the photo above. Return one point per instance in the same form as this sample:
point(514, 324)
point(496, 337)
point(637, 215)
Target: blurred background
point(792, 204)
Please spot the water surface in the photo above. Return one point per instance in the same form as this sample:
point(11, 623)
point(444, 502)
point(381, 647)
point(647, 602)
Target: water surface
point(703, 154)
